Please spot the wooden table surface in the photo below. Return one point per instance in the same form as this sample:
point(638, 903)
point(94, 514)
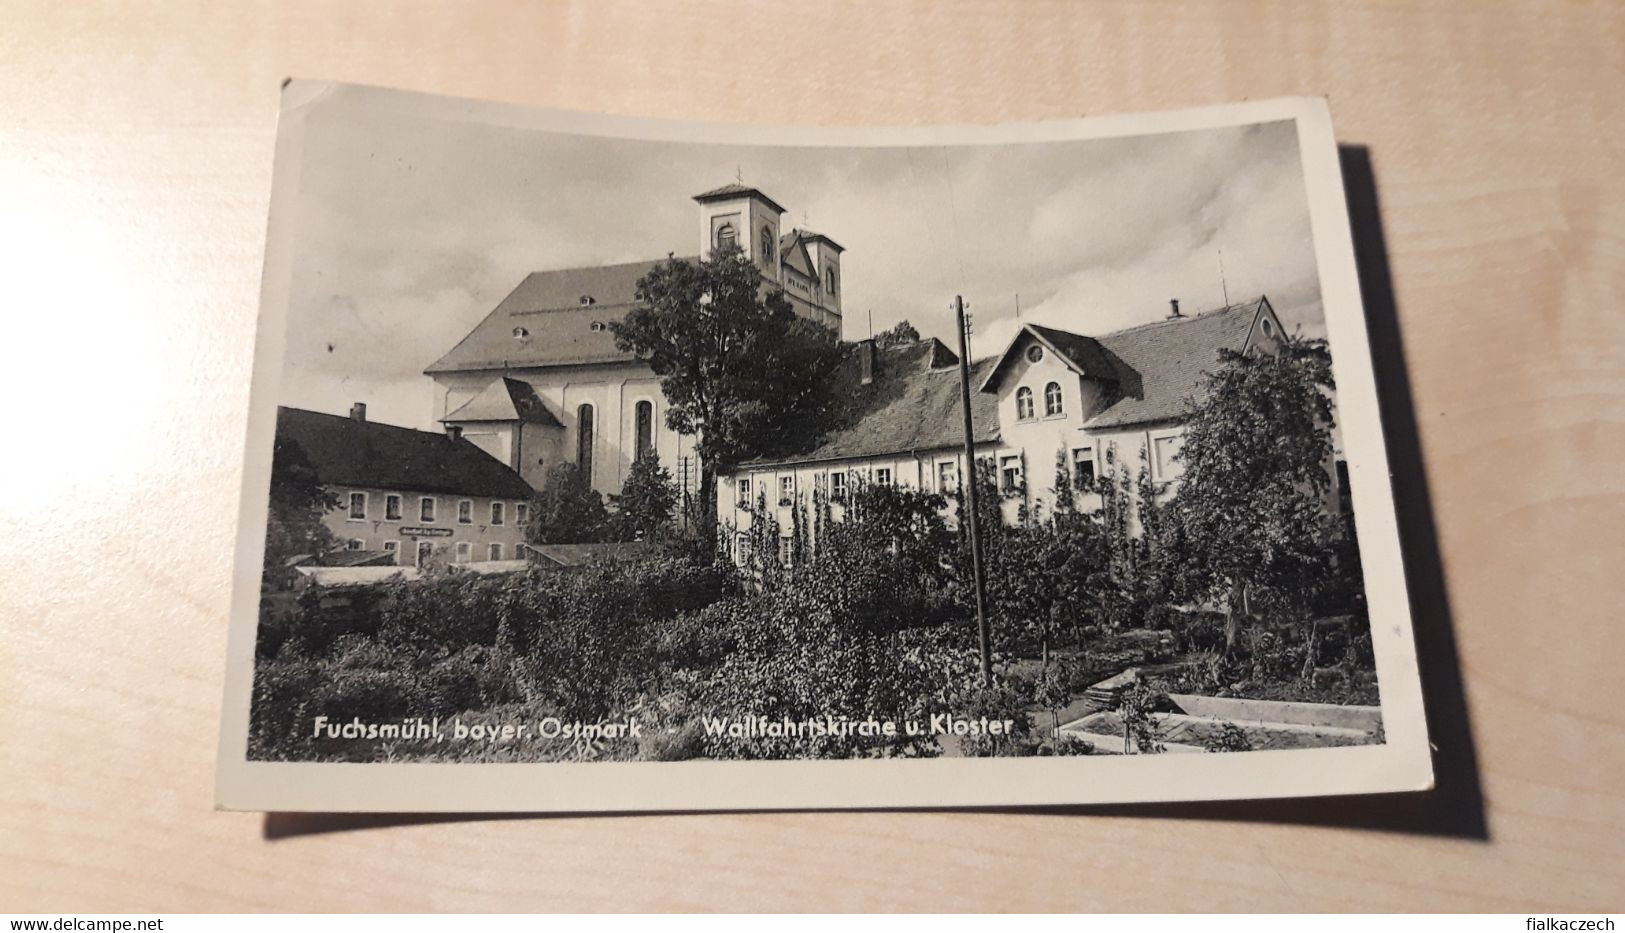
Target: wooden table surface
point(135, 168)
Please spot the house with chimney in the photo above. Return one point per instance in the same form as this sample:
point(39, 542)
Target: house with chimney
point(1094, 401)
point(406, 497)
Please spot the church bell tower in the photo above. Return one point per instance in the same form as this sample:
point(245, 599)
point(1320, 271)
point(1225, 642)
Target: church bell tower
point(742, 217)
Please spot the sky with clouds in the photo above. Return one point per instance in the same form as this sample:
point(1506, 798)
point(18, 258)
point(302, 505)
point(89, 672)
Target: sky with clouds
point(408, 230)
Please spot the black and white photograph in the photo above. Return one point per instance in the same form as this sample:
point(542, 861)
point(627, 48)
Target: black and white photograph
point(591, 444)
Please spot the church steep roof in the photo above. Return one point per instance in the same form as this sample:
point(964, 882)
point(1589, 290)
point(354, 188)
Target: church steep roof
point(1164, 364)
point(912, 404)
point(368, 455)
point(545, 322)
point(506, 399)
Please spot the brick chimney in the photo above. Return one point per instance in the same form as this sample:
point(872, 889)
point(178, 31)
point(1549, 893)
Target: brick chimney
point(1173, 309)
point(358, 411)
point(866, 361)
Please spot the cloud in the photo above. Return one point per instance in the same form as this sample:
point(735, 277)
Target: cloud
point(408, 231)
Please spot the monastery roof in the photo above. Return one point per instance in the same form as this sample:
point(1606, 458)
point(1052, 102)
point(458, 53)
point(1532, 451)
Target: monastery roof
point(544, 321)
point(369, 455)
point(506, 399)
point(911, 405)
point(1163, 365)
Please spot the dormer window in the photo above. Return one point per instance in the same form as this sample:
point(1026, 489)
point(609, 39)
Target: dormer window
point(767, 244)
point(519, 333)
point(597, 326)
point(727, 237)
point(1024, 404)
point(588, 300)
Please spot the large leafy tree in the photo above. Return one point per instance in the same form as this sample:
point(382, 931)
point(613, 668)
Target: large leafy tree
point(1253, 531)
point(740, 370)
point(567, 510)
point(297, 503)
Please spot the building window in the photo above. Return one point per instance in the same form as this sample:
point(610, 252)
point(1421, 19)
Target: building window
point(358, 506)
point(584, 438)
point(1010, 474)
point(1083, 467)
point(947, 477)
point(829, 280)
point(643, 419)
point(391, 547)
point(1035, 353)
point(392, 508)
point(1165, 456)
point(425, 549)
point(1052, 399)
point(1024, 404)
point(883, 476)
point(496, 551)
point(426, 509)
point(463, 552)
point(465, 512)
point(355, 544)
point(821, 483)
point(521, 514)
point(727, 237)
point(787, 489)
point(744, 494)
point(1269, 329)
point(785, 552)
point(742, 547)
point(499, 513)
point(837, 487)
point(767, 244)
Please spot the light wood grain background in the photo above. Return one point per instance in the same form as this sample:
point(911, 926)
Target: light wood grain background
point(135, 167)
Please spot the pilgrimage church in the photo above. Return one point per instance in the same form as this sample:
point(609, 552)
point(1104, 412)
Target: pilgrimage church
point(540, 381)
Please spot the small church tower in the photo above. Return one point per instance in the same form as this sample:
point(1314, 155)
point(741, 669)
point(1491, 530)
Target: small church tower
point(741, 216)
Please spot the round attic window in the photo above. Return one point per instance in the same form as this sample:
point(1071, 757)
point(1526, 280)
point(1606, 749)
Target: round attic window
point(1035, 353)
point(1269, 329)
point(519, 333)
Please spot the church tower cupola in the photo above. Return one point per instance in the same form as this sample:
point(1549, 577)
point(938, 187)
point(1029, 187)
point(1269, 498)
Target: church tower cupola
point(738, 216)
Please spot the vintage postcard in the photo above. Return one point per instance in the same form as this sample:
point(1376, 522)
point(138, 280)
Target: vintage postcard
point(607, 464)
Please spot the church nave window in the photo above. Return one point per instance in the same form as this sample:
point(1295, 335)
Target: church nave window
point(644, 428)
point(584, 441)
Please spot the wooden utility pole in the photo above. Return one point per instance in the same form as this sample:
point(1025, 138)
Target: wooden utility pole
point(968, 480)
